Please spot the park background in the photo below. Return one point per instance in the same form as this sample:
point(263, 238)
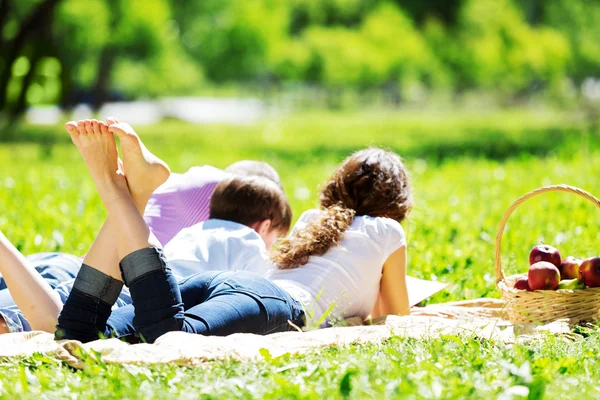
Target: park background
point(485, 100)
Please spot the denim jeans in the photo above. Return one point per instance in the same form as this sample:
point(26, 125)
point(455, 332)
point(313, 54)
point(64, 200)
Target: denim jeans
point(210, 303)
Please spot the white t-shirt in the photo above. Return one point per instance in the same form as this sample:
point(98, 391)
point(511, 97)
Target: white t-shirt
point(348, 275)
point(217, 245)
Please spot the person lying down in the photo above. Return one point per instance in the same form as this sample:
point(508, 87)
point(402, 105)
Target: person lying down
point(339, 261)
point(233, 238)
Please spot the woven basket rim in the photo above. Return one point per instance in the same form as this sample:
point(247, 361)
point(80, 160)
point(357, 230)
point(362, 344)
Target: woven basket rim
point(498, 269)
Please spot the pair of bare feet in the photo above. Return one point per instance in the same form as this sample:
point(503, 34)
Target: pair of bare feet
point(140, 172)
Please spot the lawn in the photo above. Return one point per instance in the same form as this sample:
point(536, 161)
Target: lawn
point(466, 168)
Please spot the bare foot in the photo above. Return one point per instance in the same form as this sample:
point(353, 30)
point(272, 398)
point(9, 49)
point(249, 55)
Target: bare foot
point(144, 171)
point(99, 152)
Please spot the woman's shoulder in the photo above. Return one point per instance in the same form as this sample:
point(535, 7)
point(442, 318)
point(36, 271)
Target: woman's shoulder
point(306, 217)
point(380, 228)
point(310, 214)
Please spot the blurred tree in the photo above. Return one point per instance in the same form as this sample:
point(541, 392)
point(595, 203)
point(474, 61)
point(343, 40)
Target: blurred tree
point(579, 20)
point(442, 10)
point(76, 51)
point(329, 13)
point(493, 47)
point(24, 24)
point(97, 50)
point(232, 39)
point(132, 31)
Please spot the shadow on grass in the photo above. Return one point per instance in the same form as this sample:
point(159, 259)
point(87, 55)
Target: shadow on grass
point(494, 144)
point(488, 144)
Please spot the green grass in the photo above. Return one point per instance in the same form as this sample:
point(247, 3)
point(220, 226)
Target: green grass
point(466, 171)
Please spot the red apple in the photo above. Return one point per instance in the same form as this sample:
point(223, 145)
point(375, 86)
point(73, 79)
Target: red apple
point(522, 284)
point(569, 268)
point(543, 276)
point(543, 252)
point(589, 272)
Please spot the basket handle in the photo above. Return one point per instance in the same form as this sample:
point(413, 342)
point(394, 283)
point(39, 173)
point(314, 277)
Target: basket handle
point(513, 206)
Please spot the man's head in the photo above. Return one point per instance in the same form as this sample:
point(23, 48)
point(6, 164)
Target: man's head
point(254, 201)
point(254, 168)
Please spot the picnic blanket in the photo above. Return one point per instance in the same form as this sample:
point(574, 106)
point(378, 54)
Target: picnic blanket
point(480, 318)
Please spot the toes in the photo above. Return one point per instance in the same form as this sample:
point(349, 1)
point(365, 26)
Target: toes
point(118, 129)
point(71, 128)
point(81, 128)
point(103, 127)
point(88, 127)
point(95, 126)
point(112, 121)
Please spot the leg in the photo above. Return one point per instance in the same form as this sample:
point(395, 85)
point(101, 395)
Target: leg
point(216, 303)
point(153, 173)
point(237, 302)
point(131, 235)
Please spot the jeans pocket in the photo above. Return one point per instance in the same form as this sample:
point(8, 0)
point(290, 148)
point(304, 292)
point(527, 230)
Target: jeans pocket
point(257, 290)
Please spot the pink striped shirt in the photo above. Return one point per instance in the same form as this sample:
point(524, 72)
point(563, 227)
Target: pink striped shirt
point(182, 201)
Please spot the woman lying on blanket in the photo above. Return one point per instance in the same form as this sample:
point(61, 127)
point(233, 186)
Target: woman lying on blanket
point(339, 261)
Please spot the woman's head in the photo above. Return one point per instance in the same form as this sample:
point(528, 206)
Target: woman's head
point(371, 182)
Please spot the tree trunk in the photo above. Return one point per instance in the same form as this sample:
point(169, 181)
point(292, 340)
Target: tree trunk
point(106, 63)
point(533, 11)
point(4, 10)
point(32, 23)
point(107, 60)
point(21, 104)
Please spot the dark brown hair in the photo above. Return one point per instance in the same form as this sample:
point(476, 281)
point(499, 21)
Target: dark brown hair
point(371, 182)
point(255, 168)
point(250, 199)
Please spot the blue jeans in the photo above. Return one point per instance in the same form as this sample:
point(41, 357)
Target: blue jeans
point(210, 303)
point(55, 268)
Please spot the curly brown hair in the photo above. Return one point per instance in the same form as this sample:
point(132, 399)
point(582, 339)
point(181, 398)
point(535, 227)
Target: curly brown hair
point(371, 182)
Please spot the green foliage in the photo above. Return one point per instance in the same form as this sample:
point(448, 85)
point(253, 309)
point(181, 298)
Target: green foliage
point(146, 44)
point(81, 39)
point(494, 48)
point(578, 20)
point(232, 39)
point(165, 47)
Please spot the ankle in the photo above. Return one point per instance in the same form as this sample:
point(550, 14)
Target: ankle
point(140, 199)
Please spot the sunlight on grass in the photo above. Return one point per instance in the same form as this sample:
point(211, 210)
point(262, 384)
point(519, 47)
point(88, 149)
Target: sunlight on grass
point(466, 171)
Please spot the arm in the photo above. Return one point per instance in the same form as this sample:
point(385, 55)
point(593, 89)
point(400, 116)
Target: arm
point(31, 293)
point(393, 293)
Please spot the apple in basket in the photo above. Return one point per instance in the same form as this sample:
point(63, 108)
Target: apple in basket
point(522, 284)
point(571, 284)
point(569, 268)
point(589, 272)
point(543, 276)
point(543, 252)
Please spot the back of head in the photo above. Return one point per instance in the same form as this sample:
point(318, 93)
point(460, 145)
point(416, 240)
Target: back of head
point(371, 182)
point(250, 199)
point(254, 168)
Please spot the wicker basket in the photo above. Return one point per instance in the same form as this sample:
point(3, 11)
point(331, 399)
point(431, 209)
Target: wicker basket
point(542, 306)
